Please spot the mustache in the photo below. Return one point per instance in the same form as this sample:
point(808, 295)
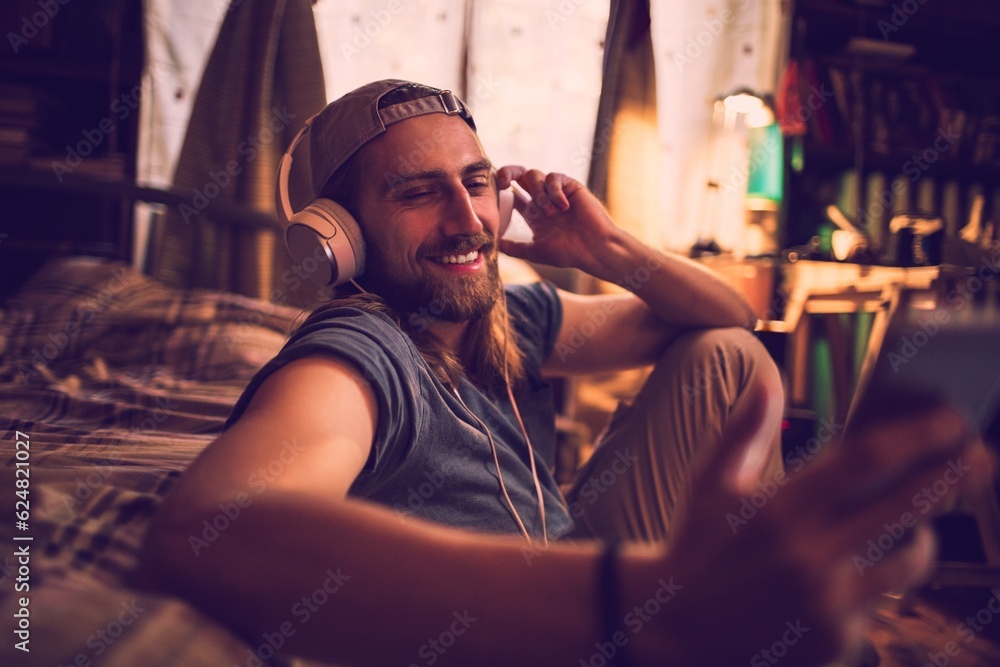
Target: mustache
point(459, 245)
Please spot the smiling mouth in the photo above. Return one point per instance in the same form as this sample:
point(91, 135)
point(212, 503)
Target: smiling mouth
point(458, 259)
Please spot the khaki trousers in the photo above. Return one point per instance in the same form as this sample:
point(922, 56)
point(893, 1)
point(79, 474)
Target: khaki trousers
point(637, 484)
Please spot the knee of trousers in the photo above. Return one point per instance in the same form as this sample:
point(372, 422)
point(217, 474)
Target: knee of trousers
point(709, 356)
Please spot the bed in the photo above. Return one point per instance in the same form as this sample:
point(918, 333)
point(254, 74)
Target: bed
point(110, 384)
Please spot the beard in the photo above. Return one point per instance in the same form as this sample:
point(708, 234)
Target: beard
point(435, 297)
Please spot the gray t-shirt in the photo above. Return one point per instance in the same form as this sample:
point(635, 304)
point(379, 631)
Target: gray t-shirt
point(431, 458)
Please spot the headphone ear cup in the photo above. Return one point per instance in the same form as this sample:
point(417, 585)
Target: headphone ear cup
point(325, 241)
point(505, 201)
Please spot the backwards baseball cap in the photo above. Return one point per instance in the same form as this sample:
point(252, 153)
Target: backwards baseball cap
point(348, 123)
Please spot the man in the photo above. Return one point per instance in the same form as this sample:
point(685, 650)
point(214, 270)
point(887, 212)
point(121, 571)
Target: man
point(399, 474)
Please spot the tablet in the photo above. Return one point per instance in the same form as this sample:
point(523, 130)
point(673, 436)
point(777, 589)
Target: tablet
point(935, 355)
point(951, 356)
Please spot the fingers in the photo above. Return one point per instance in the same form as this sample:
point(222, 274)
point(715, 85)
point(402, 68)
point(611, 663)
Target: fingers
point(506, 176)
point(549, 192)
point(854, 586)
point(887, 463)
point(516, 249)
point(908, 566)
point(555, 189)
point(881, 484)
point(931, 492)
point(508, 173)
point(850, 586)
point(847, 528)
point(869, 502)
point(906, 438)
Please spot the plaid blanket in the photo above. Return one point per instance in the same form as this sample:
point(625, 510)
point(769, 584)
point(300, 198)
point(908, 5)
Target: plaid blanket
point(115, 383)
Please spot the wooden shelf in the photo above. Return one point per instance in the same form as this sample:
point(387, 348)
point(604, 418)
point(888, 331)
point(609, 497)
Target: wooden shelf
point(887, 115)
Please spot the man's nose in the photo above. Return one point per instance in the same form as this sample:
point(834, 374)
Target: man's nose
point(461, 216)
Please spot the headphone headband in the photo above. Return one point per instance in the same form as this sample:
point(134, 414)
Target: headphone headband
point(281, 200)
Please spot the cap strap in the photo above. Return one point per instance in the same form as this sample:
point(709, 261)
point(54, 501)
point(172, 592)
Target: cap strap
point(444, 102)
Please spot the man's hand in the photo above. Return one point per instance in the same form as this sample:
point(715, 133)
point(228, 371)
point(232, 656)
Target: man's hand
point(805, 560)
point(571, 227)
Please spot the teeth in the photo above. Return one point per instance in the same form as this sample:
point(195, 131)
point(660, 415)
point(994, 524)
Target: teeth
point(459, 259)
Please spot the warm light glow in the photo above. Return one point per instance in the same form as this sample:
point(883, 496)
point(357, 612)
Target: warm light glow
point(752, 107)
point(761, 117)
point(845, 243)
point(744, 103)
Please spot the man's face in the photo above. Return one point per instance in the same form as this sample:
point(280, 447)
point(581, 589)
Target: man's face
point(428, 209)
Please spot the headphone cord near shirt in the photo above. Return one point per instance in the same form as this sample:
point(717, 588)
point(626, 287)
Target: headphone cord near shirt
point(527, 440)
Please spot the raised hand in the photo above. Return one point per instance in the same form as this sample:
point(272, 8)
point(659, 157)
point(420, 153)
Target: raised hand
point(571, 227)
point(802, 570)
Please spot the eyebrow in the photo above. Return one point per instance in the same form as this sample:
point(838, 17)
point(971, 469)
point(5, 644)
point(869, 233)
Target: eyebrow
point(434, 174)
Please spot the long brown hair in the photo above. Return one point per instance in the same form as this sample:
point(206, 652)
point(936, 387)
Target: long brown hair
point(483, 348)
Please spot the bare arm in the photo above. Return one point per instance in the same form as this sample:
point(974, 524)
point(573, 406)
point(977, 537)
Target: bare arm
point(346, 580)
point(342, 580)
point(669, 293)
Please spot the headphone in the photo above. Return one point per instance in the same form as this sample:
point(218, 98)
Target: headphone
point(324, 228)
